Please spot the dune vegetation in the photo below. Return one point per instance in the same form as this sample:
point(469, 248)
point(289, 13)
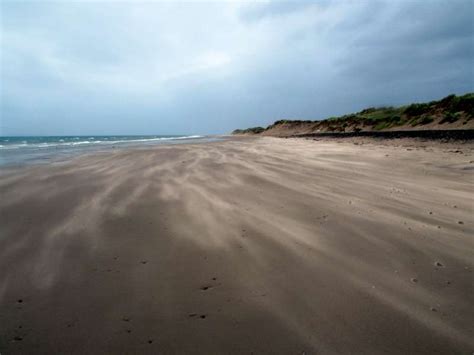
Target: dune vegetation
point(450, 112)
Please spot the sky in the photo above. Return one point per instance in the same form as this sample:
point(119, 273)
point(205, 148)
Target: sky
point(110, 67)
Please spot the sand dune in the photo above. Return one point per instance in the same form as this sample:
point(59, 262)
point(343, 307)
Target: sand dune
point(251, 245)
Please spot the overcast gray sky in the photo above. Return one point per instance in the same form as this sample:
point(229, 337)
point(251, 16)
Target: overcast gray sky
point(195, 68)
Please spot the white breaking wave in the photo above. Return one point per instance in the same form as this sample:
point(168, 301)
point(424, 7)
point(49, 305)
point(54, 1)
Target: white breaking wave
point(90, 141)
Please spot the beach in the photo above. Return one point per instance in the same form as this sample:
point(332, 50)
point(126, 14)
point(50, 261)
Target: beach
point(242, 246)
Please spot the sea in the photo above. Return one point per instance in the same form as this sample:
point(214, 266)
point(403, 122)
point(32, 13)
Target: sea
point(32, 150)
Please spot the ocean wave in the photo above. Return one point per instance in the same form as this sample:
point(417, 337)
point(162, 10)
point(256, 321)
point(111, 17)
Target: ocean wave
point(91, 141)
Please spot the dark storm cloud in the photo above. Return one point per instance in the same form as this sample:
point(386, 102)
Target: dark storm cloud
point(92, 68)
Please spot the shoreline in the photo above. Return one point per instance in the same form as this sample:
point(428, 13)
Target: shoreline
point(244, 245)
point(459, 139)
point(30, 156)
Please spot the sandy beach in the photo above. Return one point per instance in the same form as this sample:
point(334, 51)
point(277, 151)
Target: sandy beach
point(244, 246)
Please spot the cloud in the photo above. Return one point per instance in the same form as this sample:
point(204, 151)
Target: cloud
point(267, 9)
point(166, 67)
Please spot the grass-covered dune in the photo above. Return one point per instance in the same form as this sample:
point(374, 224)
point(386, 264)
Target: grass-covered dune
point(451, 112)
point(252, 130)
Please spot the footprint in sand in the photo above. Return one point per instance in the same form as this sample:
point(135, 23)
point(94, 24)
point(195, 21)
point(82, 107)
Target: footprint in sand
point(193, 315)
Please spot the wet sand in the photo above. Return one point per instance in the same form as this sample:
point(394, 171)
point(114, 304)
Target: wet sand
point(251, 245)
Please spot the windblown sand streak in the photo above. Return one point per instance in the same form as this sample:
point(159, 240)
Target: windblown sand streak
point(248, 245)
